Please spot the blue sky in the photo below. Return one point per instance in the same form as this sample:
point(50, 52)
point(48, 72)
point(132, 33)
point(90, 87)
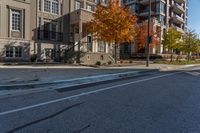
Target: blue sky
point(194, 15)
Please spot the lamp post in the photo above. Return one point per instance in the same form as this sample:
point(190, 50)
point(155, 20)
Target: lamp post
point(148, 37)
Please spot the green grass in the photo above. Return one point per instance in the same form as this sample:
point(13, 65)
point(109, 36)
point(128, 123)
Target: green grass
point(177, 62)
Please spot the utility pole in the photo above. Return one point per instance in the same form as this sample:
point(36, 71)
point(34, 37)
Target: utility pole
point(148, 37)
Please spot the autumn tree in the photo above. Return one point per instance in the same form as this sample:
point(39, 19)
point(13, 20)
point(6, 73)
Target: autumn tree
point(113, 23)
point(171, 40)
point(142, 33)
point(190, 43)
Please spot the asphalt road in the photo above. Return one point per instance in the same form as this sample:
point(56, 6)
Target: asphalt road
point(163, 102)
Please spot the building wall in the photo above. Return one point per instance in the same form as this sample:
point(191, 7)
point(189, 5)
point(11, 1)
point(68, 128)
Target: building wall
point(70, 26)
point(17, 39)
point(166, 19)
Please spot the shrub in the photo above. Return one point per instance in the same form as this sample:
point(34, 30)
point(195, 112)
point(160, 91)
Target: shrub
point(109, 62)
point(130, 61)
point(33, 57)
point(70, 62)
point(143, 56)
point(98, 63)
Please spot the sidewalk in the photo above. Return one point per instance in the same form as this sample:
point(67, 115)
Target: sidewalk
point(22, 74)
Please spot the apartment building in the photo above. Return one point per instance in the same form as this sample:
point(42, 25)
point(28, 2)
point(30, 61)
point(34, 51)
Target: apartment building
point(77, 15)
point(164, 14)
point(54, 30)
point(47, 29)
point(15, 30)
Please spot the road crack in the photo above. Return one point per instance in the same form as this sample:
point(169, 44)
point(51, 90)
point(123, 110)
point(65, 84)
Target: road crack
point(45, 118)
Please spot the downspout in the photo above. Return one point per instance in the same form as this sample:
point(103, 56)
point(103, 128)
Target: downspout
point(36, 32)
point(68, 33)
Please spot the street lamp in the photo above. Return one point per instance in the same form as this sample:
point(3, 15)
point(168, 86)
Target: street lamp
point(148, 37)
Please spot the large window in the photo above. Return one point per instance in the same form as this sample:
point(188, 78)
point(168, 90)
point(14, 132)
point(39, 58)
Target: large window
point(47, 5)
point(55, 6)
point(77, 5)
point(14, 51)
point(15, 20)
point(50, 29)
point(51, 6)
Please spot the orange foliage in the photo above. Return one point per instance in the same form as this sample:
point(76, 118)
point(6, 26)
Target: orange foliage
point(143, 33)
point(113, 23)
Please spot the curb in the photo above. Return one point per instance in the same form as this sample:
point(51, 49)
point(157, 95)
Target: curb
point(172, 68)
point(77, 82)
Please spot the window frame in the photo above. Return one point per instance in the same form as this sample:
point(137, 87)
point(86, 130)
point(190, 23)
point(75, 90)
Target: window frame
point(14, 50)
point(52, 7)
point(16, 13)
point(75, 5)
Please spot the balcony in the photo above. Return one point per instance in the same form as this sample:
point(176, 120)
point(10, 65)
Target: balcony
point(178, 8)
point(50, 36)
point(177, 19)
point(179, 29)
point(180, 1)
point(146, 2)
point(145, 12)
point(81, 14)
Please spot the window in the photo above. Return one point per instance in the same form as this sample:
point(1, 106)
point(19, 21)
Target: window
point(104, 1)
point(15, 20)
point(39, 5)
point(50, 30)
point(77, 5)
point(55, 6)
point(89, 43)
point(47, 5)
point(162, 7)
point(39, 22)
point(12, 51)
point(18, 51)
point(89, 7)
point(53, 31)
point(9, 51)
point(49, 53)
point(46, 33)
point(52, 6)
point(61, 9)
point(101, 46)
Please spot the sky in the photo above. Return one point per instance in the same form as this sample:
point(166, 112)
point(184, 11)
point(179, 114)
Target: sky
point(194, 15)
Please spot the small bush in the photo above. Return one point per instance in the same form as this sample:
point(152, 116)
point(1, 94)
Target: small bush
point(33, 57)
point(70, 62)
point(98, 63)
point(130, 61)
point(109, 62)
point(143, 56)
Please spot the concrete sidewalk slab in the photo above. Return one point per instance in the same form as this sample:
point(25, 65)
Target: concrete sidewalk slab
point(74, 82)
point(31, 74)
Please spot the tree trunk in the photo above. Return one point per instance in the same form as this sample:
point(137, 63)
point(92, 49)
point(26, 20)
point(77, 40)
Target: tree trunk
point(171, 58)
point(188, 56)
point(115, 53)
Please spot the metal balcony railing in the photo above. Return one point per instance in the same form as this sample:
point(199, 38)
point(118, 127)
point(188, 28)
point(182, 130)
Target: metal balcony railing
point(50, 35)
